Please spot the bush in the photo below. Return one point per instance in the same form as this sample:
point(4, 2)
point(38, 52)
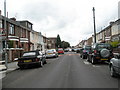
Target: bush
point(114, 44)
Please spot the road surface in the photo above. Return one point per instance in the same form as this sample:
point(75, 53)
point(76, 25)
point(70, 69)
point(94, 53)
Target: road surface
point(66, 71)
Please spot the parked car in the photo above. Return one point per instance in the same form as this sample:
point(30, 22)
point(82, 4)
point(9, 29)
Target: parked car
point(66, 50)
point(32, 58)
point(60, 51)
point(51, 53)
point(78, 50)
point(100, 52)
point(85, 51)
point(115, 65)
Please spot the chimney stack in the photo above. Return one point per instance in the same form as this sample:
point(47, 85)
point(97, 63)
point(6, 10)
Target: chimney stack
point(111, 23)
point(14, 19)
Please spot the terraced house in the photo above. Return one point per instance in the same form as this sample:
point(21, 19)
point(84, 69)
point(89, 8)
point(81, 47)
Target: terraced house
point(17, 36)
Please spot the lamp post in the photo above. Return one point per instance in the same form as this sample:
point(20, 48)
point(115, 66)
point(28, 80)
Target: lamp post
point(6, 58)
point(94, 25)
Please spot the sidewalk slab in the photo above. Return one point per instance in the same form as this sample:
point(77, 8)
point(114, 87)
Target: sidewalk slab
point(12, 66)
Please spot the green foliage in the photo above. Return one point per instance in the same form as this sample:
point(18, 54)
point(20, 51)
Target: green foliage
point(58, 42)
point(114, 44)
point(65, 44)
point(61, 44)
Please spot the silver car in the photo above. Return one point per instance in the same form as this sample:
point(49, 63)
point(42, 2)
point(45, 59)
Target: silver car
point(115, 65)
point(51, 53)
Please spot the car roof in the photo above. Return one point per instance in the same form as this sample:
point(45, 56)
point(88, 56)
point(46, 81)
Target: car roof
point(31, 51)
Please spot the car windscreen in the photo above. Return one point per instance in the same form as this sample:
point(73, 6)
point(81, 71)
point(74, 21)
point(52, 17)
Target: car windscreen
point(87, 48)
point(52, 50)
point(29, 54)
point(101, 46)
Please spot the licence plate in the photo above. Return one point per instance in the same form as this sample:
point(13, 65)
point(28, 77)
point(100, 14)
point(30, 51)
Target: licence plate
point(27, 60)
point(49, 53)
point(104, 59)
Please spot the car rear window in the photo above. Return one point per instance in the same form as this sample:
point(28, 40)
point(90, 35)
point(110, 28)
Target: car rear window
point(29, 54)
point(101, 46)
point(87, 47)
point(51, 50)
point(60, 49)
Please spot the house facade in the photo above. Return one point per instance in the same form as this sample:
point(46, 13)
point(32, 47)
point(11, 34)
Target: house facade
point(17, 36)
point(52, 42)
point(115, 29)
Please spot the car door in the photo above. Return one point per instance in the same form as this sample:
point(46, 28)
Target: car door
point(119, 64)
point(116, 63)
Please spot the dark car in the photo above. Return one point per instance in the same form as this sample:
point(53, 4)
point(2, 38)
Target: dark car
point(115, 65)
point(78, 50)
point(32, 58)
point(85, 51)
point(66, 50)
point(100, 52)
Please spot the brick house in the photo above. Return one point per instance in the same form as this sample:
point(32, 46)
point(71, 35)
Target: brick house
point(18, 37)
point(115, 29)
point(52, 42)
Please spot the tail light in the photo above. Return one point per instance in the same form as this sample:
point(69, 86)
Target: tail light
point(95, 51)
point(84, 50)
point(37, 59)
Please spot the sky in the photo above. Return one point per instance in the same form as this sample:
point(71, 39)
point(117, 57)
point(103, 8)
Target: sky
point(71, 19)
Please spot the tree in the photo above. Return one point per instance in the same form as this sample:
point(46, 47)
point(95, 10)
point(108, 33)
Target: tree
point(58, 42)
point(114, 44)
point(65, 44)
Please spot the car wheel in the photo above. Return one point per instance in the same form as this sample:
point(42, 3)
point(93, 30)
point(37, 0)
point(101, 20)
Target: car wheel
point(88, 59)
point(93, 60)
point(83, 57)
point(45, 62)
point(112, 72)
point(80, 56)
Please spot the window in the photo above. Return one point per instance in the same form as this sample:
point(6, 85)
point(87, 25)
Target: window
point(0, 23)
point(29, 54)
point(26, 34)
point(11, 29)
point(29, 26)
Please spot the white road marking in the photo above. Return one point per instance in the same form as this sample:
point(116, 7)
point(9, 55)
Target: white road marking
point(86, 62)
point(95, 66)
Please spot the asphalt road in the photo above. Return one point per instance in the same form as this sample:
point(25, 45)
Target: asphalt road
point(66, 71)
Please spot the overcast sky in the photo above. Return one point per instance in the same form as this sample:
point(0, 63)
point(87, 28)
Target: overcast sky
point(71, 19)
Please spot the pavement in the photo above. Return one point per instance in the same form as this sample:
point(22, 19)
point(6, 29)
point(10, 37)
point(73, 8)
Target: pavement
point(11, 67)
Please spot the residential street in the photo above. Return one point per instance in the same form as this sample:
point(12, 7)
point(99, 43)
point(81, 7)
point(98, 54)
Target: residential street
point(66, 71)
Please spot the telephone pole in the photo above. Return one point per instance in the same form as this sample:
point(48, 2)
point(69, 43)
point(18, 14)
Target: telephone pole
point(5, 29)
point(94, 25)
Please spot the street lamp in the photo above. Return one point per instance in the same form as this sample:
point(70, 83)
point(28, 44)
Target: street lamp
point(94, 25)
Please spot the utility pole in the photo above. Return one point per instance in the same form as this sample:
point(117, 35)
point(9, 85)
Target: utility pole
point(5, 29)
point(94, 25)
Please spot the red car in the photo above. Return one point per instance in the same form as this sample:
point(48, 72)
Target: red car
point(60, 51)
